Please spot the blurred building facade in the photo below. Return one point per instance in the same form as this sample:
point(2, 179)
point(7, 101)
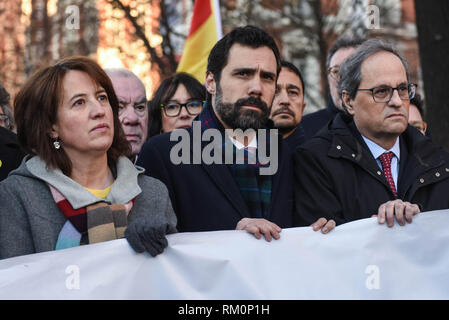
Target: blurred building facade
point(34, 33)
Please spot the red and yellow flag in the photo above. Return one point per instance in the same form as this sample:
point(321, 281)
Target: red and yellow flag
point(205, 31)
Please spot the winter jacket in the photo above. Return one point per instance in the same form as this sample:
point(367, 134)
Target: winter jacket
point(30, 221)
point(337, 177)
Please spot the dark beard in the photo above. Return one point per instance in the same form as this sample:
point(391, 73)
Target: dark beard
point(237, 118)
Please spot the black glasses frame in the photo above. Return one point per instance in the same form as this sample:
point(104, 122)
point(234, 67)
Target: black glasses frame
point(409, 88)
point(182, 105)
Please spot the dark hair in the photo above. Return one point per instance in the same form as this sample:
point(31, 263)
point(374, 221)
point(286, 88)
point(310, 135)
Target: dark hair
point(36, 110)
point(292, 68)
point(166, 90)
point(248, 36)
point(351, 69)
point(342, 43)
point(419, 103)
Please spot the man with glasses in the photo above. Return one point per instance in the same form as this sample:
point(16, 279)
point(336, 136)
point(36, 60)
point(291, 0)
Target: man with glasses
point(369, 161)
point(415, 115)
point(340, 51)
point(133, 111)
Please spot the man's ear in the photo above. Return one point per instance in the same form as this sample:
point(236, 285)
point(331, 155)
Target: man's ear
point(347, 102)
point(210, 83)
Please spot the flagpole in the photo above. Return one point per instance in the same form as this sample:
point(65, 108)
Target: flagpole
point(217, 15)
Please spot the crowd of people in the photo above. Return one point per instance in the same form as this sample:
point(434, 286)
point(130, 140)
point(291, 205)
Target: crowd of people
point(93, 158)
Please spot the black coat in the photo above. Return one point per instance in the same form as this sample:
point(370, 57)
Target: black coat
point(206, 197)
point(10, 153)
point(313, 122)
point(337, 177)
point(296, 138)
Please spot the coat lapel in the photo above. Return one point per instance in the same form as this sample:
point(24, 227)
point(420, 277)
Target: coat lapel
point(221, 176)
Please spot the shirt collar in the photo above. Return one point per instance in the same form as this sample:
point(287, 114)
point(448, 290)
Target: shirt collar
point(238, 145)
point(377, 150)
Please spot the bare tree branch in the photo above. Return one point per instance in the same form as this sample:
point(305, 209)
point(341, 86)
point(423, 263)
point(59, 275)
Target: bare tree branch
point(165, 69)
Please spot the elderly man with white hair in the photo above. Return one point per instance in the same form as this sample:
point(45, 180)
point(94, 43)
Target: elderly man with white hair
point(133, 110)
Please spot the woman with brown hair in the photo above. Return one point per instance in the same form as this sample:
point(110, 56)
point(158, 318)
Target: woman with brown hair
point(77, 185)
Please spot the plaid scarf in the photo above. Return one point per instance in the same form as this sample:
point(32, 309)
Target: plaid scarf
point(94, 223)
point(255, 188)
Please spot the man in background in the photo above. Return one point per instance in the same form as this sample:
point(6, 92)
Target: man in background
point(6, 115)
point(288, 104)
point(339, 52)
point(133, 110)
point(415, 114)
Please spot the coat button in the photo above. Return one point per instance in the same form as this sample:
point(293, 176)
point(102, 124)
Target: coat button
point(353, 155)
point(437, 174)
point(447, 169)
point(1, 163)
point(379, 173)
point(421, 180)
point(339, 147)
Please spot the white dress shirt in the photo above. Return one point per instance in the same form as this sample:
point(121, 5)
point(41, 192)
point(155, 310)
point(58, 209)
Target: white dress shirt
point(239, 145)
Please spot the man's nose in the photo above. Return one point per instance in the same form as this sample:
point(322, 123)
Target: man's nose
point(129, 116)
point(255, 87)
point(283, 98)
point(395, 99)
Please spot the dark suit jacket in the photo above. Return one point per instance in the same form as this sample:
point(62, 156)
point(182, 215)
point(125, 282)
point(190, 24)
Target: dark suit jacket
point(206, 197)
point(337, 177)
point(10, 153)
point(313, 122)
point(296, 138)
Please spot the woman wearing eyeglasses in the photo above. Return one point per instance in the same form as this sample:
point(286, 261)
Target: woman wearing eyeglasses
point(177, 101)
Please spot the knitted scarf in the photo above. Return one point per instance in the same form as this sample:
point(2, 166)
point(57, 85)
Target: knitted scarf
point(94, 223)
point(255, 188)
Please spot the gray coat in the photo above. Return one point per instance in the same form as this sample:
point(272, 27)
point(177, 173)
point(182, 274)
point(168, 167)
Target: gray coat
point(30, 221)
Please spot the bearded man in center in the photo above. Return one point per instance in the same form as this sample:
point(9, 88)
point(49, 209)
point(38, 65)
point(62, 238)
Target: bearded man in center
point(248, 193)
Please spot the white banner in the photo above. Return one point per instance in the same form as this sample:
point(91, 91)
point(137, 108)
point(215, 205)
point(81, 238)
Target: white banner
point(358, 260)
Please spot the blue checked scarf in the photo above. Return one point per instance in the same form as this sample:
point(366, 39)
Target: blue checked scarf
point(255, 188)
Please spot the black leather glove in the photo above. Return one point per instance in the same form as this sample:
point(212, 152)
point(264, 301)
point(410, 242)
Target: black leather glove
point(143, 235)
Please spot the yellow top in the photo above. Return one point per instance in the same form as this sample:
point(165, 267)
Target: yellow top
point(100, 193)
